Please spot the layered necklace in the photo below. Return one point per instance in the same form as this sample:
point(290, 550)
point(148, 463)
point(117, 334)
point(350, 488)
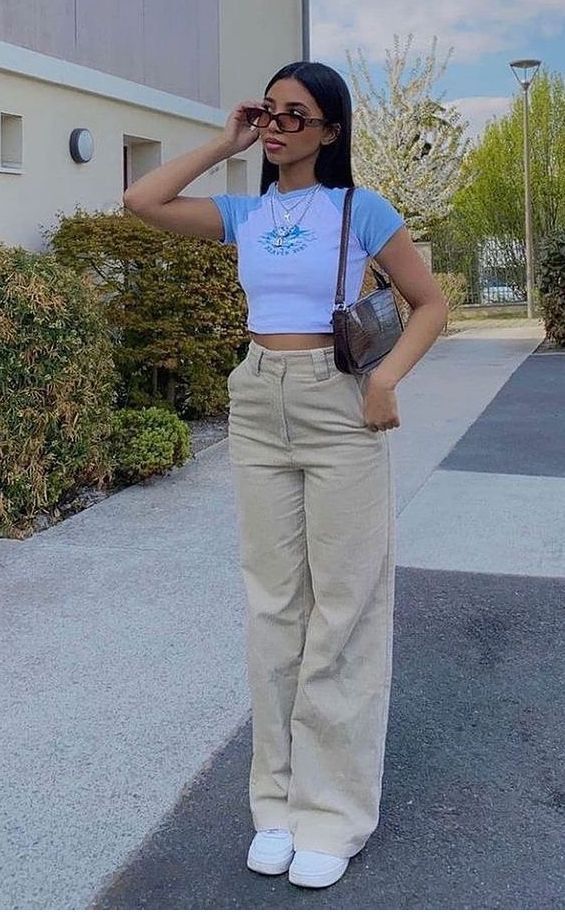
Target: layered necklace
point(282, 231)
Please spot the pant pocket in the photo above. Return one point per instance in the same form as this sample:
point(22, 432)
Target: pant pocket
point(234, 374)
point(342, 394)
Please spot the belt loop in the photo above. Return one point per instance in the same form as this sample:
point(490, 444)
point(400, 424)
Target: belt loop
point(254, 354)
point(321, 365)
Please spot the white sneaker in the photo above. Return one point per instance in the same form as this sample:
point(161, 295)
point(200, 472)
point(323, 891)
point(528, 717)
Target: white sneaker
point(271, 851)
point(316, 869)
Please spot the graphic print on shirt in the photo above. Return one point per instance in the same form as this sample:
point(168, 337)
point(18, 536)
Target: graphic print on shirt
point(296, 240)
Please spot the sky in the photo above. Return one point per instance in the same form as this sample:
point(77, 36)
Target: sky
point(484, 35)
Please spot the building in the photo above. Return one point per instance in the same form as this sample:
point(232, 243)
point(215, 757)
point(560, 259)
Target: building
point(95, 93)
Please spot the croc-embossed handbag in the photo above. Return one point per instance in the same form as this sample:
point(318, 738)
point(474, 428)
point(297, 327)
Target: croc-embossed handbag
point(367, 330)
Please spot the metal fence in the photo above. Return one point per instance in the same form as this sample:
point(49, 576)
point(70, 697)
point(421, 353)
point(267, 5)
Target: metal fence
point(494, 270)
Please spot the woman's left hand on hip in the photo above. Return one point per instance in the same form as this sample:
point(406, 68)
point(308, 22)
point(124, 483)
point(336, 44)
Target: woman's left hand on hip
point(379, 405)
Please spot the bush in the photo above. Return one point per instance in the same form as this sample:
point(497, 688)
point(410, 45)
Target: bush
point(147, 441)
point(454, 288)
point(57, 386)
point(551, 281)
point(175, 306)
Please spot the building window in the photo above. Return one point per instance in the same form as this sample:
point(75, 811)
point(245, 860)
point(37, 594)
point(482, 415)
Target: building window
point(11, 146)
point(139, 156)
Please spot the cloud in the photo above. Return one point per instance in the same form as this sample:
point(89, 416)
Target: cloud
point(472, 27)
point(479, 109)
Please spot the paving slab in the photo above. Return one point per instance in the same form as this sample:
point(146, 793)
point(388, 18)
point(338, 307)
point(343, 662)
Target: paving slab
point(122, 670)
point(489, 522)
point(447, 392)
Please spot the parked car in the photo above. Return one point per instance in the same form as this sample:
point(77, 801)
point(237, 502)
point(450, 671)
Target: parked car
point(495, 293)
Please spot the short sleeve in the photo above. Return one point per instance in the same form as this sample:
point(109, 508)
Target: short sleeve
point(224, 202)
point(373, 220)
point(234, 209)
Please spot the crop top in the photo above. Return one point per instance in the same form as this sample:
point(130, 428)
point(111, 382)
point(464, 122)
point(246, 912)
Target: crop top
point(291, 288)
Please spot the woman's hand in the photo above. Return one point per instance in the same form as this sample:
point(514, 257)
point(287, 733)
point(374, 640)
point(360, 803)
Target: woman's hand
point(379, 401)
point(237, 132)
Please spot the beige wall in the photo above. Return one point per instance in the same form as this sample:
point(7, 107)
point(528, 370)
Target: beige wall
point(51, 180)
point(257, 38)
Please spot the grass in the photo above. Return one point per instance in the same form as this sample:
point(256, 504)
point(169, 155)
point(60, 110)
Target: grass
point(492, 316)
point(504, 312)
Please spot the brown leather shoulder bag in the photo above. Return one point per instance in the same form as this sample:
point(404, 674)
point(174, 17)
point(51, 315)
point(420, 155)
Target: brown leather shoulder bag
point(367, 330)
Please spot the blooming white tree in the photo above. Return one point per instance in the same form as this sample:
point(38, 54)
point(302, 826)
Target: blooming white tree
point(407, 144)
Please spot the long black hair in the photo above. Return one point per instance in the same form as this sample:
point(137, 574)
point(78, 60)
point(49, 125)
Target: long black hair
point(333, 165)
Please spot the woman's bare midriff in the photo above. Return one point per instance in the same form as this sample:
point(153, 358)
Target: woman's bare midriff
point(293, 340)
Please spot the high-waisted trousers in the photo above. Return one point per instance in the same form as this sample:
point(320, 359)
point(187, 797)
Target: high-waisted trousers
point(315, 508)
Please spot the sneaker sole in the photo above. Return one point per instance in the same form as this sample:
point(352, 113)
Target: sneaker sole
point(269, 868)
point(318, 880)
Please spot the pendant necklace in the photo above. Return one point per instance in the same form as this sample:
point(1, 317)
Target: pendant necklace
point(288, 211)
point(283, 231)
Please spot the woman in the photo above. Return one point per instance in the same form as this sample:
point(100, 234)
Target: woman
point(311, 463)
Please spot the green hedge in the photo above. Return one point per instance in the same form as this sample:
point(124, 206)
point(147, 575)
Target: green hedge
point(175, 305)
point(454, 289)
point(147, 441)
point(59, 429)
point(57, 386)
point(551, 281)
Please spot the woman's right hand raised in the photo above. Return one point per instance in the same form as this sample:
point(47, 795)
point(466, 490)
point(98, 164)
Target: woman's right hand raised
point(238, 133)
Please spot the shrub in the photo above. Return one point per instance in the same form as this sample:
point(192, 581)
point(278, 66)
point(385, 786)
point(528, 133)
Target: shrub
point(454, 289)
point(174, 303)
point(57, 385)
point(551, 281)
point(147, 441)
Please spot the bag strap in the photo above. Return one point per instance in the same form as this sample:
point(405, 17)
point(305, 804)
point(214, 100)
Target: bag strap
point(345, 223)
point(382, 281)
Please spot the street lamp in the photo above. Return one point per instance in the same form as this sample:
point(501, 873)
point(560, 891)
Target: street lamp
point(526, 80)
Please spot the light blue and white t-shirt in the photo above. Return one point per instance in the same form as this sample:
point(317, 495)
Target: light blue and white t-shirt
point(291, 288)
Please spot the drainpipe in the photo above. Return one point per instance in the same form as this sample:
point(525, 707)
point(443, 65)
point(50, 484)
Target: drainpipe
point(305, 29)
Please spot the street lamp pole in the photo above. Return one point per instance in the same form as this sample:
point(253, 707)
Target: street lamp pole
point(525, 81)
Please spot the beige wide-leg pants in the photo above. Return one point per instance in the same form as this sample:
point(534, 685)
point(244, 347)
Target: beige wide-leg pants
point(315, 505)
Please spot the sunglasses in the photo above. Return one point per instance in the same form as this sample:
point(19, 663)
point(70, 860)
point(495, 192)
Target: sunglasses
point(287, 123)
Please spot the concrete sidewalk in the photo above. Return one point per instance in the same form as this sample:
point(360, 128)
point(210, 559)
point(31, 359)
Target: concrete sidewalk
point(124, 703)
